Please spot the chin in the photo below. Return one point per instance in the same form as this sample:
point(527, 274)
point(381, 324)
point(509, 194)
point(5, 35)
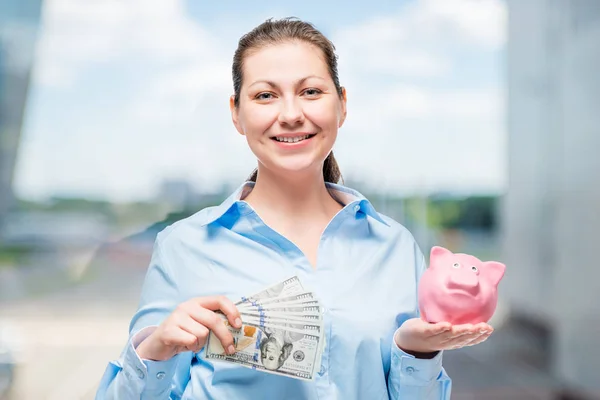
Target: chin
point(296, 165)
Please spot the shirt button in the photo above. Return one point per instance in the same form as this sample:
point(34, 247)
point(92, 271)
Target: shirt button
point(160, 375)
point(356, 208)
point(140, 373)
point(322, 370)
point(410, 370)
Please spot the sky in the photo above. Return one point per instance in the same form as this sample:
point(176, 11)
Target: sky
point(128, 93)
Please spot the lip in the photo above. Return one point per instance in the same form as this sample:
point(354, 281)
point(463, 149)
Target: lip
point(297, 145)
point(292, 134)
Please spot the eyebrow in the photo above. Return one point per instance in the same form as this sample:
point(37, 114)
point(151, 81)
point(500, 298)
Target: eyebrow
point(298, 82)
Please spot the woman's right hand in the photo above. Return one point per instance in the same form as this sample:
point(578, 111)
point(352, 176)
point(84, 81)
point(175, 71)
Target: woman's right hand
point(187, 328)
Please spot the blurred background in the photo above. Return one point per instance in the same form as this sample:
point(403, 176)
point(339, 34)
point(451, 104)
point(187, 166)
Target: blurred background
point(476, 124)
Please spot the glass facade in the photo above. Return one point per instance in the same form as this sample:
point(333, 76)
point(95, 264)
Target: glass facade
point(19, 23)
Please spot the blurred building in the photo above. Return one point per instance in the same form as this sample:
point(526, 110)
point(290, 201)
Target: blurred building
point(551, 214)
point(19, 21)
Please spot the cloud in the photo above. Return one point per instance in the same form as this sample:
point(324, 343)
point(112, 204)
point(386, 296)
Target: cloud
point(417, 41)
point(418, 120)
point(128, 92)
point(78, 34)
point(143, 92)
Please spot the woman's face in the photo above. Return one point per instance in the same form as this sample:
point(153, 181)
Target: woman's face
point(289, 109)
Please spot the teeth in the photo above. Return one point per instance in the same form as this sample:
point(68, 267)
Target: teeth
point(291, 139)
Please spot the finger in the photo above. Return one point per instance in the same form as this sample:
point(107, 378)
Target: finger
point(483, 328)
point(215, 323)
point(466, 342)
point(457, 332)
point(199, 331)
point(464, 328)
point(437, 329)
point(461, 340)
point(468, 329)
point(180, 339)
point(478, 340)
point(223, 304)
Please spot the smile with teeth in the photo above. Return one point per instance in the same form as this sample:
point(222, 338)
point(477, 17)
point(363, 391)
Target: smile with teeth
point(292, 139)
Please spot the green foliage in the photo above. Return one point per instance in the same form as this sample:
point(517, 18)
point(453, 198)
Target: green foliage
point(476, 212)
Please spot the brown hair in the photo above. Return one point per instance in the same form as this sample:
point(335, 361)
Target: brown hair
point(279, 31)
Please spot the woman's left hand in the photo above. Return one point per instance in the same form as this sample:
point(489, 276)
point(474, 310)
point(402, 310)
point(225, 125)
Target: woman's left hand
point(419, 336)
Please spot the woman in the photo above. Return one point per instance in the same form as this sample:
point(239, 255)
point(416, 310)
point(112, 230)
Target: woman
point(291, 218)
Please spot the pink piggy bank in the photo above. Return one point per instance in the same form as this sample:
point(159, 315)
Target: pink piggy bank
point(459, 288)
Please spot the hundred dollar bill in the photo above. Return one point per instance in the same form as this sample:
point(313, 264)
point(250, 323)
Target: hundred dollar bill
point(312, 306)
point(289, 350)
point(288, 287)
point(313, 327)
point(299, 298)
point(291, 315)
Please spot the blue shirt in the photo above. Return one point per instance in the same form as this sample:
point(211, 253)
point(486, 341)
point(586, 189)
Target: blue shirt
point(366, 278)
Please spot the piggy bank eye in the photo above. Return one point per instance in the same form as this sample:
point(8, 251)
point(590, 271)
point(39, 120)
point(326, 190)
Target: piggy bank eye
point(474, 268)
point(456, 265)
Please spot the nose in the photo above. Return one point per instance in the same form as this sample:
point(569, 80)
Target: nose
point(463, 279)
point(291, 112)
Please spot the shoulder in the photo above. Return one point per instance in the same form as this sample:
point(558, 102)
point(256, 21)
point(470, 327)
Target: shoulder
point(194, 228)
point(398, 232)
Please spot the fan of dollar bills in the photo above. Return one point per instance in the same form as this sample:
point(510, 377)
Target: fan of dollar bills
point(281, 333)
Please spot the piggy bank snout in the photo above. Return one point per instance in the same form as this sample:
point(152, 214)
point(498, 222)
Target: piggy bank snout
point(463, 280)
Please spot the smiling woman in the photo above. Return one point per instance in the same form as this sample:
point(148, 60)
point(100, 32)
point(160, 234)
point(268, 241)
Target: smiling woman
point(292, 218)
point(297, 80)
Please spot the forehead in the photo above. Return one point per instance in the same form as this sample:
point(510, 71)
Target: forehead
point(286, 61)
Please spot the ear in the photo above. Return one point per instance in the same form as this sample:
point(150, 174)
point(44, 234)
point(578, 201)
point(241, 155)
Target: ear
point(344, 112)
point(494, 270)
point(235, 114)
point(438, 251)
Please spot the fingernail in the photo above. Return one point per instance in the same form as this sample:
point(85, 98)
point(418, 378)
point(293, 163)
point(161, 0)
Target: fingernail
point(483, 331)
point(238, 322)
point(231, 349)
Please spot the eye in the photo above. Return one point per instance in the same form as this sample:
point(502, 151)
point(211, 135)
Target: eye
point(474, 268)
point(264, 96)
point(312, 92)
point(456, 265)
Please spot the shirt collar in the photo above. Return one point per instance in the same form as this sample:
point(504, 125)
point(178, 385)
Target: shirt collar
point(343, 194)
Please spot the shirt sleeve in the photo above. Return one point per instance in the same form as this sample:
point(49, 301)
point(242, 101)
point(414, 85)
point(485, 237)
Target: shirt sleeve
point(131, 377)
point(414, 378)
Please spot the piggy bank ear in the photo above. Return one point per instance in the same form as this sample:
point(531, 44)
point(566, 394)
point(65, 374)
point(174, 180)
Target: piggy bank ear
point(495, 271)
point(438, 251)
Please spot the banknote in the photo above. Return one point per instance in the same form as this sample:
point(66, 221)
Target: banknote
point(292, 350)
point(282, 332)
point(294, 299)
point(288, 287)
point(267, 316)
point(304, 307)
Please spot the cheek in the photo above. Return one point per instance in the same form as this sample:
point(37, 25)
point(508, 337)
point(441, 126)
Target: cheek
point(324, 115)
point(256, 120)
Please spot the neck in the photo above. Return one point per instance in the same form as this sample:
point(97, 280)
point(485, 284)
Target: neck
point(298, 196)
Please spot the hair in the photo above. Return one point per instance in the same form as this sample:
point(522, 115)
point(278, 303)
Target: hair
point(279, 31)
